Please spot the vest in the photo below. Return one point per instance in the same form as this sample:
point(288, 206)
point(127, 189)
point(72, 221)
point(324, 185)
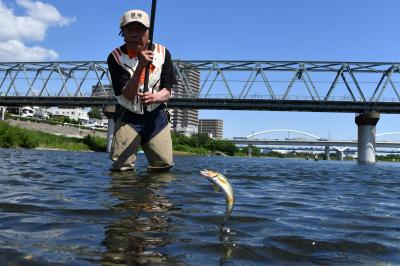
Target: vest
point(130, 64)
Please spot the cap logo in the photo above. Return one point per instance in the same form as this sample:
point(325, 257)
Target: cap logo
point(134, 15)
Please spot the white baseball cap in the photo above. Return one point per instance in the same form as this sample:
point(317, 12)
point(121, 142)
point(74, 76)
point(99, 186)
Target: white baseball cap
point(135, 16)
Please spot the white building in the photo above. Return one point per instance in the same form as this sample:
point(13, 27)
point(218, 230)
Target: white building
point(97, 123)
point(41, 113)
point(187, 130)
point(26, 111)
point(77, 114)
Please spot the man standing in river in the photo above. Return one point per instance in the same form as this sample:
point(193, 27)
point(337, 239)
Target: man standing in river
point(141, 117)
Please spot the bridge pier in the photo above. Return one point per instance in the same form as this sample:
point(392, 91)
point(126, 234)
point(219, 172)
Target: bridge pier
point(327, 153)
point(366, 123)
point(250, 150)
point(340, 155)
point(109, 111)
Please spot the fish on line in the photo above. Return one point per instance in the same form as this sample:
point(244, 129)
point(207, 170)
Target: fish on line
point(221, 182)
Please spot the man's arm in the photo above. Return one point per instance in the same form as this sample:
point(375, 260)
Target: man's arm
point(166, 82)
point(130, 89)
point(119, 76)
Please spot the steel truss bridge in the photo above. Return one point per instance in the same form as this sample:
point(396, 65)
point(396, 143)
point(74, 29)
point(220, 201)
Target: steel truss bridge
point(314, 86)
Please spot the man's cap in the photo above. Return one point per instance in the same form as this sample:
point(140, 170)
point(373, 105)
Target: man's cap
point(135, 16)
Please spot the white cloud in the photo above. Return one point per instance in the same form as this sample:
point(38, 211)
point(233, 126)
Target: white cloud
point(16, 51)
point(15, 30)
point(45, 13)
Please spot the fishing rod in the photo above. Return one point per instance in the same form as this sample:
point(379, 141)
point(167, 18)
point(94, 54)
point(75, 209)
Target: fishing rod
point(147, 70)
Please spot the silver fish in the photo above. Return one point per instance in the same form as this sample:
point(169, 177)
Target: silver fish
point(220, 181)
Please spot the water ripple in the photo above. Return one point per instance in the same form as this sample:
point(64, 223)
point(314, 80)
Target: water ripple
point(66, 208)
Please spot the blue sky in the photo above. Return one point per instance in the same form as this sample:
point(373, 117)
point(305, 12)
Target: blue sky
point(337, 30)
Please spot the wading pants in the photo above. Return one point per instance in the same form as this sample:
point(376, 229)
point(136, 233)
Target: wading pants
point(127, 141)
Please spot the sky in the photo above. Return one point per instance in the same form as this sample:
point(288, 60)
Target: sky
point(336, 30)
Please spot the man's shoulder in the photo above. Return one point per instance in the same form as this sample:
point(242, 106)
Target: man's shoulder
point(159, 45)
point(115, 55)
point(162, 48)
point(119, 50)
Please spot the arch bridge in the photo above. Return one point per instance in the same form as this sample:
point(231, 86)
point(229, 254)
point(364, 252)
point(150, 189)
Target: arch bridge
point(283, 130)
point(388, 134)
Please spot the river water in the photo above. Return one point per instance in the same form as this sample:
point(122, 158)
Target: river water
point(66, 208)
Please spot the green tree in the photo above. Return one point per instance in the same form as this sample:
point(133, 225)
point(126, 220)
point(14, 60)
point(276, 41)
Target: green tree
point(223, 146)
point(201, 140)
point(202, 144)
point(95, 113)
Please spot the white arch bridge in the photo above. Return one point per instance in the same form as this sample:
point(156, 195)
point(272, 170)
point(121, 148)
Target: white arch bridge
point(283, 130)
point(307, 134)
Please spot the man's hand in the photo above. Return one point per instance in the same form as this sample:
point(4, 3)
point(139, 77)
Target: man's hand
point(146, 57)
point(148, 97)
point(154, 97)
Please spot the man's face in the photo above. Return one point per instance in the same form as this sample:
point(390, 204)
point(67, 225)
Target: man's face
point(136, 36)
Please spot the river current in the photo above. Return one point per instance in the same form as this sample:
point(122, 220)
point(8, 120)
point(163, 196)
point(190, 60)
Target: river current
point(67, 208)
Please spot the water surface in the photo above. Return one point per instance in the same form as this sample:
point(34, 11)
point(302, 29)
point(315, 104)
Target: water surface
point(66, 208)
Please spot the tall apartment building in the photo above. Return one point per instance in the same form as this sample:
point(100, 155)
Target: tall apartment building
point(184, 120)
point(212, 127)
point(97, 90)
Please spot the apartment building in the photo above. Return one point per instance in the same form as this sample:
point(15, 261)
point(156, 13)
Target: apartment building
point(184, 120)
point(99, 91)
point(212, 127)
point(77, 114)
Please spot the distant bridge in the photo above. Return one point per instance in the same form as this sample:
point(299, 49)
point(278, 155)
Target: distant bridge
point(313, 86)
point(387, 134)
point(323, 149)
point(346, 143)
point(282, 130)
point(315, 141)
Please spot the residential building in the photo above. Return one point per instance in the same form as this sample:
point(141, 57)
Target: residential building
point(40, 112)
point(212, 127)
point(97, 123)
point(77, 114)
point(184, 120)
point(97, 91)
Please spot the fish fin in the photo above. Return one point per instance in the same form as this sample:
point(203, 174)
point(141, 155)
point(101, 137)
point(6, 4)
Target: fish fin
point(216, 188)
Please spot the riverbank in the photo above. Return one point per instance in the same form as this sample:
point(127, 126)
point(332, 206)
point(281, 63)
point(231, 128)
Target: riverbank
point(36, 135)
point(60, 130)
point(71, 137)
point(13, 136)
